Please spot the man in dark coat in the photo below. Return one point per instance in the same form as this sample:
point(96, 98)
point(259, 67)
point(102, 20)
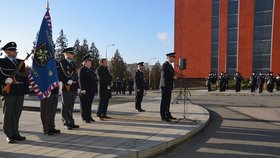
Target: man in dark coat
point(270, 81)
point(118, 85)
point(123, 86)
point(130, 83)
point(48, 115)
point(14, 98)
point(87, 82)
point(222, 79)
point(253, 82)
point(139, 87)
point(238, 80)
point(69, 78)
point(104, 89)
point(166, 84)
point(261, 80)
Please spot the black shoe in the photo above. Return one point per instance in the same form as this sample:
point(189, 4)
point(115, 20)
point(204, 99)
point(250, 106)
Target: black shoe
point(20, 138)
point(142, 110)
point(166, 120)
point(55, 131)
point(172, 118)
point(49, 133)
point(92, 120)
point(75, 126)
point(87, 121)
point(10, 140)
point(106, 117)
point(68, 127)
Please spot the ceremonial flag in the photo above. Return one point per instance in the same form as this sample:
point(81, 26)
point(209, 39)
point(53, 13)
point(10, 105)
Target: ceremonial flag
point(43, 74)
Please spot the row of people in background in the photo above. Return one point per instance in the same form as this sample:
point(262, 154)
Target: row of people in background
point(256, 81)
point(121, 85)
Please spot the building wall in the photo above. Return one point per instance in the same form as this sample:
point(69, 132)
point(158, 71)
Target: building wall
point(275, 65)
point(245, 39)
point(193, 36)
point(193, 30)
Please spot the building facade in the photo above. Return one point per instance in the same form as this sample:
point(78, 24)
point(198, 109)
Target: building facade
point(227, 36)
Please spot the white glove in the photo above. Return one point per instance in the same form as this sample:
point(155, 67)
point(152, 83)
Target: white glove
point(70, 82)
point(26, 96)
point(83, 91)
point(9, 80)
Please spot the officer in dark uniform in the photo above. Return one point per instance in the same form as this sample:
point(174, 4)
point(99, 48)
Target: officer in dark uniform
point(104, 89)
point(69, 78)
point(130, 83)
point(222, 81)
point(166, 84)
point(48, 115)
point(14, 99)
point(123, 86)
point(87, 81)
point(238, 80)
point(253, 81)
point(209, 81)
point(227, 78)
point(261, 80)
point(118, 86)
point(139, 87)
point(270, 81)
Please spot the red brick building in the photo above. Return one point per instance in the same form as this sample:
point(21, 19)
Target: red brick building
point(227, 35)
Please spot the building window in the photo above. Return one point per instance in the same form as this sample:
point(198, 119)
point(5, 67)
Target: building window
point(215, 35)
point(231, 56)
point(262, 35)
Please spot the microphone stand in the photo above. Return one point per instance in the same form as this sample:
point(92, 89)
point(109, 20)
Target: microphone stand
point(182, 94)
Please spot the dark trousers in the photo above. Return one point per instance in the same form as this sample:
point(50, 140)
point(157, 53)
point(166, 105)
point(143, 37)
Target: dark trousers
point(12, 110)
point(68, 100)
point(139, 98)
point(130, 90)
point(86, 104)
point(48, 112)
point(270, 88)
point(260, 88)
point(222, 87)
point(237, 87)
point(118, 90)
point(253, 87)
point(102, 107)
point(209, 86)
point(165, 103)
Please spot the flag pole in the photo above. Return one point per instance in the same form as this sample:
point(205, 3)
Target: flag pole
point(47, 98)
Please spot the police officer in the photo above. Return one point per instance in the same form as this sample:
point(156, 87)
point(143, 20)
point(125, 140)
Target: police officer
point(253, 82)
point(104, 89)
point(166, 84)
point(118, 86)
point(130, 83)
point(227, 78)
point(238, 79)
point(14, 99)
point(270, 81)
point(222, 81)
point(87, 82)
point(123, 86)
point(48, 115)
point(69, 78)
point(261, 80)
point(209, 81)
point(139, 86)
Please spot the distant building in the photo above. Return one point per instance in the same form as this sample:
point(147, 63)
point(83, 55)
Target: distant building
point(227, 35)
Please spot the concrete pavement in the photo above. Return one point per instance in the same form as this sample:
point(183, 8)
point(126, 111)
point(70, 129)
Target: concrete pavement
point(128, 134)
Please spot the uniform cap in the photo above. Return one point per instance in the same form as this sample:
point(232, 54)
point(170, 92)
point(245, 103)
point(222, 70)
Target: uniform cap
point(140, 63)
point(172, 54)
point(10, 46)
point(69, 50)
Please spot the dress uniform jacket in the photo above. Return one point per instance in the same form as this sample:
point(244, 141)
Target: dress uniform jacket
point(139, 80)
point(87, 80)
point(167, 76)
point(68, 72)
point(7, 67)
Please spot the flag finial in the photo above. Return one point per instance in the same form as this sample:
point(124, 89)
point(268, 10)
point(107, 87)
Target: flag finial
point(47, 5)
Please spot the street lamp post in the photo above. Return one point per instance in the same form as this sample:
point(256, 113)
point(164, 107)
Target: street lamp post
point(150, 70)
point(107, 48)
